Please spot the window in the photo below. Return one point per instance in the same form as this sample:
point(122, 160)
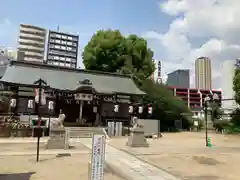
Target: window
point(50, 57)
point(70, 38)
point(63, 47)
point(69, 43)
point(75, 39)
point(71, 54)
point(69, 48)
point(53, 35)
point(54, 52)
point(64, 42)
point(64, 37)
point(61, 64)
point(68, 65)
point(55, 63)
point(62, 58)
point(57, 41)
point(73, 65)
point(68, 59)
point(57, 46)
point(58, 35)
point(56, 57)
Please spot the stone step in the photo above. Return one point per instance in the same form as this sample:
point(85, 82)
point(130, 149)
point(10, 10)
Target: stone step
point(83, 132)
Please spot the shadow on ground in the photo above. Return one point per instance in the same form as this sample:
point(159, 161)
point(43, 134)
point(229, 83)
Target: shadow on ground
point(17, 176)
point(201, 178)
point(62, 155)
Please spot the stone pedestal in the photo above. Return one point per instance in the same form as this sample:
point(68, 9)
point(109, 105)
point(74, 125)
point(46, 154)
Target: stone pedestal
point(137, 139)
point(58, 139)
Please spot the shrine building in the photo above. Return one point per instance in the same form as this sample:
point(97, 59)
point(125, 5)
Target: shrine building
point(87, 98)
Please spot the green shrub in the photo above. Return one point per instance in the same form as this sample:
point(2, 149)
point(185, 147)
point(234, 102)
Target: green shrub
point(233, 129)
point(220, 125)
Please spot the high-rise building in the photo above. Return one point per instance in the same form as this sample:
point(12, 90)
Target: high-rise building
point(179, 78)
point(203, 73)
point(12, 53)
point(6, 55)
point(31, 43)
point(153, 74)
point(62, 49)
point(227, 71)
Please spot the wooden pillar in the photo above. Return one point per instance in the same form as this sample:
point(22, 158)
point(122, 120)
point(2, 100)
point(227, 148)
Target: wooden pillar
point(80, 109)
point(17, 100)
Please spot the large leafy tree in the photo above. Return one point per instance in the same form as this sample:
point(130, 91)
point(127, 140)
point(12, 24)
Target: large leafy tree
point(236, 83)
point(166, 107)
point(236, 88)
point(109, 51)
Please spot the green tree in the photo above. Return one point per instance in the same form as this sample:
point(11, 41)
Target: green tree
point(216, 112)
point(110, 51)
point(235, 120)
point(166, 107)
point(236, 84)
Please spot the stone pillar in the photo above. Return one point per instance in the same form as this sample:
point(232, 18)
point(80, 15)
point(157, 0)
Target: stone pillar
point(137, 138)
point(57, 138)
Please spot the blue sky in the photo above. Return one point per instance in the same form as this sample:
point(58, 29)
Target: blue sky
point(82, 16)
point(178, 32)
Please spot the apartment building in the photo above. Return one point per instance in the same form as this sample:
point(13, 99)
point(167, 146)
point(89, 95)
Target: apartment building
point(194, 98)
point(62, 49)
point(203, 73)
point(227, 71)
point(31, 43)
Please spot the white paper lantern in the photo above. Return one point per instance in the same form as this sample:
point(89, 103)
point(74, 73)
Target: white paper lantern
point(149, 110)
point(130, 110)
point(50, 105)
point(13, 103)
point(43, 96)
point(30, 103)
point(95, 109)
point(140, 109)
point(116, 107)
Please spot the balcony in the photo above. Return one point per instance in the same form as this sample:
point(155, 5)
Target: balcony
point(33, 31)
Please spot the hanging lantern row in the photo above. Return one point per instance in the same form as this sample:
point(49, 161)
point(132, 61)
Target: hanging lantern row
point(130, 109)
point(51, 106)
point(30, 104)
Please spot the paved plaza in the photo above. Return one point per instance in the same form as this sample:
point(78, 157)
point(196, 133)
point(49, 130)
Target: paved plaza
point(173, 157)
point(185, 155)
point(74, 167)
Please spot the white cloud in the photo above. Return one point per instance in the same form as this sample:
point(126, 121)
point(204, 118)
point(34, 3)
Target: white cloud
point(5, 24)
point(214, 21)
point(8, 33)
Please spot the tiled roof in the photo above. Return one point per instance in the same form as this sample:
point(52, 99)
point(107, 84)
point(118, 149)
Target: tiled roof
point(68, 78)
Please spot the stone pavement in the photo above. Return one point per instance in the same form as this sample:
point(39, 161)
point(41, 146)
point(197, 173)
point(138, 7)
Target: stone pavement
point(22, 140)
point(131, 167)
point(45, 152)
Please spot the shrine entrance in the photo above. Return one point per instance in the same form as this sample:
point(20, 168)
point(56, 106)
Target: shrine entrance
point(79, 109)
point(88, 114)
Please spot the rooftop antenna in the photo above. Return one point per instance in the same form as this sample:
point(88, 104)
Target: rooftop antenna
point(58, 28)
